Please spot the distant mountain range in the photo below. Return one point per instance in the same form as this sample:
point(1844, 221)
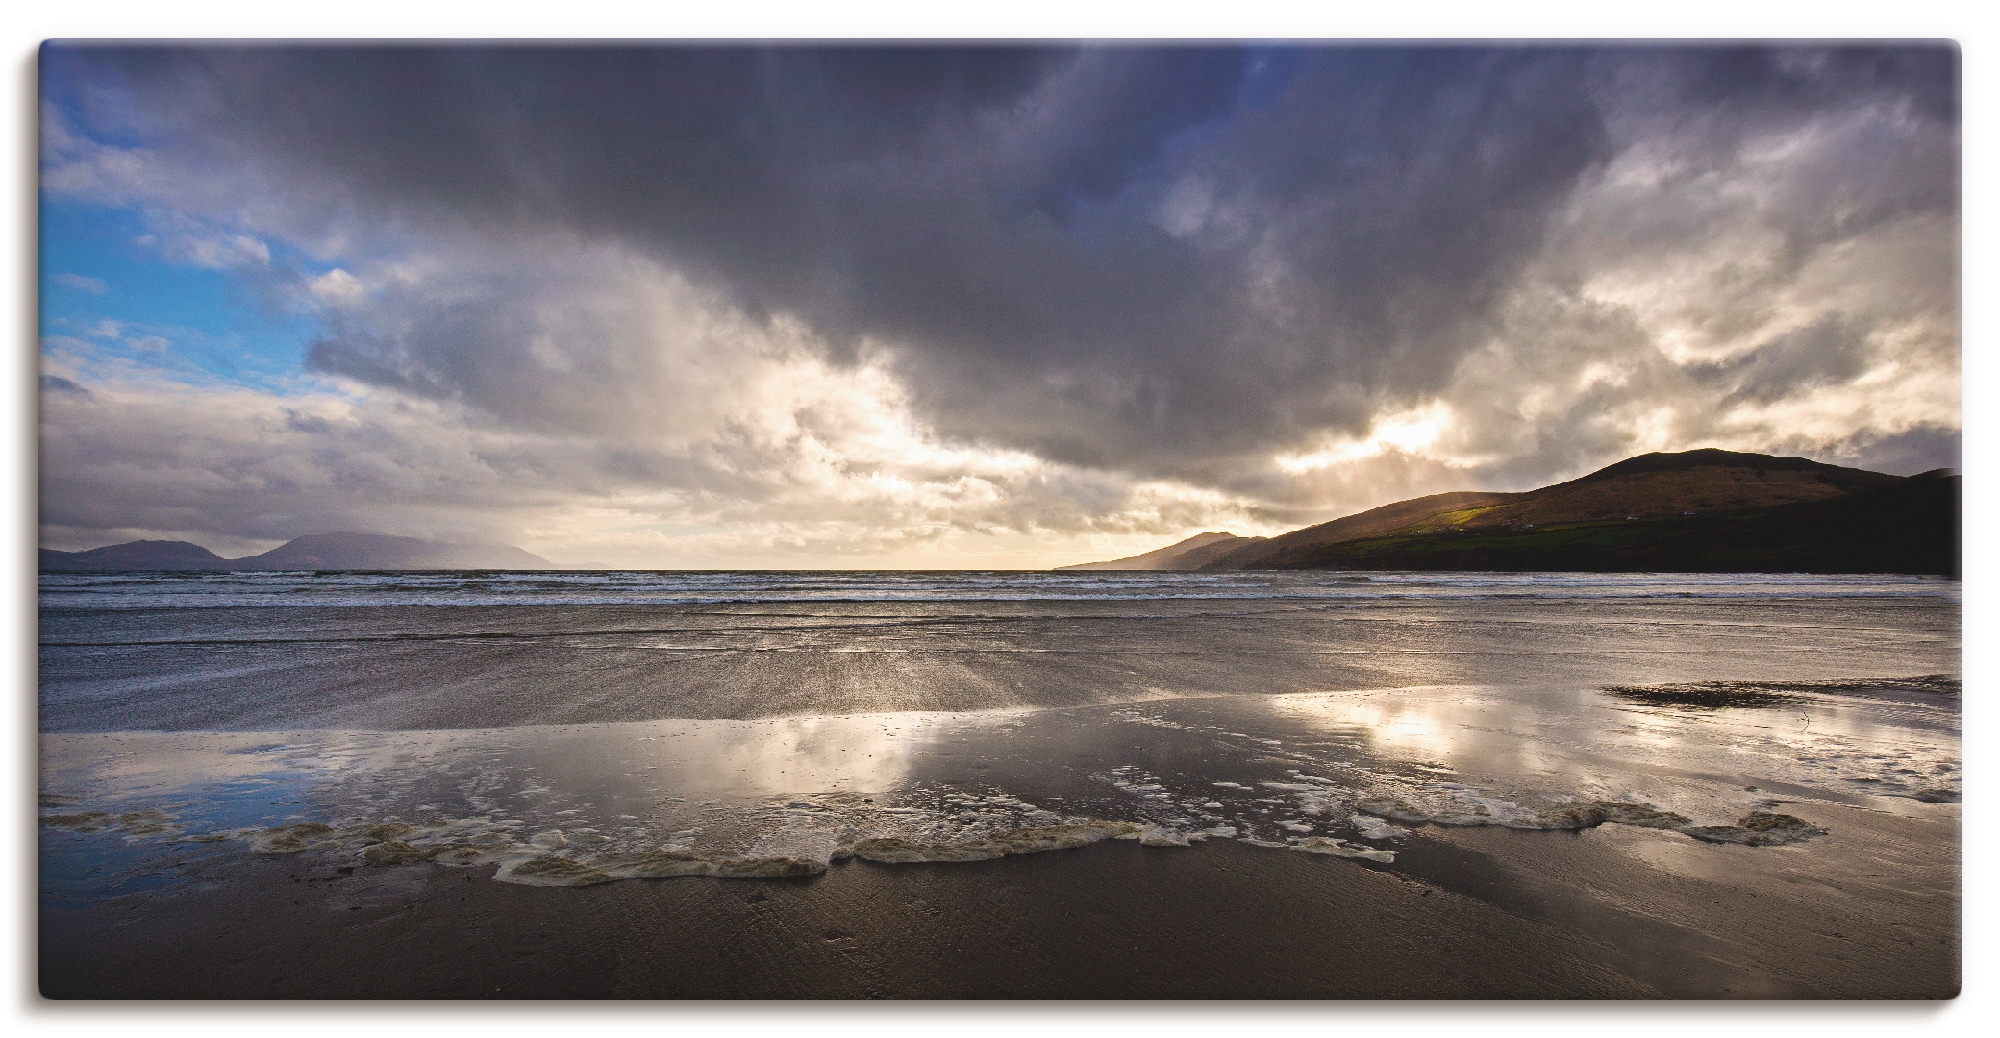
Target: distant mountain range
point(1697, 511)
point(328, 551)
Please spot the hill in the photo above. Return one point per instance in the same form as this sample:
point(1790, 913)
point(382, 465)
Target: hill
point(1193, 553)
point(380, 552)
point(177, 556)
point(331, 551)
point(1706, 510)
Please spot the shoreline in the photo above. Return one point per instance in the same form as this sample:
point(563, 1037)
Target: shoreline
point(1464, 913)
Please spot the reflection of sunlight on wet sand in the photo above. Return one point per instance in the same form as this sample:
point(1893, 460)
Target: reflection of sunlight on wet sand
point(804, 755)
point(1691, 758)
point(857, 753)
point(852, 753)
point(1404, 722)
point(1480, 732)
point(1640, 731)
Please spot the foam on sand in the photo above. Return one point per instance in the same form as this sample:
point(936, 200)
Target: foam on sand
point(1376, 829)
point(802, 836)
point(1756, 829)
point(575, 870)
point(1062, 836)
point(1161, 836)
point(1369, 800)
point(555, 870)
point(1343, 849)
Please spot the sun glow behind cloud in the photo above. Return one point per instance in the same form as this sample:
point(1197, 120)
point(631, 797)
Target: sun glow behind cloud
point(1405, 432)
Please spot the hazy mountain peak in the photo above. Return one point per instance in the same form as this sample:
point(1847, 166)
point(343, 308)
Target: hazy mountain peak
point(340, 550)
point(347, 550)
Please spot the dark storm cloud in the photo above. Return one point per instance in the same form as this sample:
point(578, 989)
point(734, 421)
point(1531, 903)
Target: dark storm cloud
point(1788, 82)
point(1162, 261)
point(993, 214)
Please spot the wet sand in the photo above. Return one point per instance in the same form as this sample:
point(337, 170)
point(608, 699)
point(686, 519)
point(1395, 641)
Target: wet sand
point(432, 667)
point(1547, 915)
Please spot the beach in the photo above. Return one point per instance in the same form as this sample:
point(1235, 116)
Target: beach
point(1000, 785)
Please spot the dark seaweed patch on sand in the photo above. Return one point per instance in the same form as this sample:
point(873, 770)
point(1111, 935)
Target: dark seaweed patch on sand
point(1722, 694)
point(1758, 829)
point(1710, 694)
point(150, 822)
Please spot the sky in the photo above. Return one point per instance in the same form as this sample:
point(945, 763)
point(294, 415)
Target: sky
point(948, 307)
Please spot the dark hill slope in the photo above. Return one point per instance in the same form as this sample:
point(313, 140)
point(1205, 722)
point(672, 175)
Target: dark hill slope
point(1193, 553)
point(1648, 486)
point(1200, 557)
point(176, 556)
point(1907, 526)
point(1670, 484)
point(1435, 511)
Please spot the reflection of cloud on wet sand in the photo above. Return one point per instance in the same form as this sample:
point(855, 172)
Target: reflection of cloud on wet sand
point(164, 762)
point(1603, 745)
point(1409, 723)
point(814, 754)
point(1449, 728)
point(1492, 733)
point(741, 759)
point(693, 759)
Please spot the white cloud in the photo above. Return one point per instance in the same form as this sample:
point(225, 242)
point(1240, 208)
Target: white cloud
point(758, 452)
point(211, 250)
point(337, 287)
point(94, 286)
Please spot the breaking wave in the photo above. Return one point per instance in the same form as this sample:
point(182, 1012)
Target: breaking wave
point(65, 591)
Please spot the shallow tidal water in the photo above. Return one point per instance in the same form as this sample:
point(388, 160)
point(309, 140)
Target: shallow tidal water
point(577, 730)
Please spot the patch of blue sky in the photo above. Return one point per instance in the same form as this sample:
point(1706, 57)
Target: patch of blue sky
point(102, 286)
point(70, 87)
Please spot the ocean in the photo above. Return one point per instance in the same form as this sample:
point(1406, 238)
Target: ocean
point(1643, 737)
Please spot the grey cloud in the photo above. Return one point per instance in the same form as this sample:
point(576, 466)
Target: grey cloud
point(1907, 453)
point(1828, 350)
point(999, 235)
point(299, 421)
